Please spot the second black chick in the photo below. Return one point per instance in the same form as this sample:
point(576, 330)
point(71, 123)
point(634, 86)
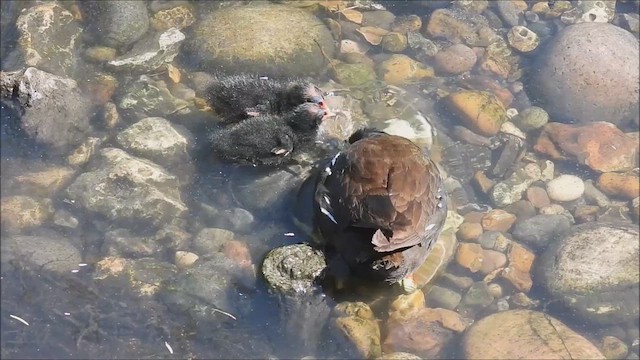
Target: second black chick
point(268, 139)
point(237, 97)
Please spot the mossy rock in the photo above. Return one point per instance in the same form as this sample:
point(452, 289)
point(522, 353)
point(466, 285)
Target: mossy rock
point(269, 39)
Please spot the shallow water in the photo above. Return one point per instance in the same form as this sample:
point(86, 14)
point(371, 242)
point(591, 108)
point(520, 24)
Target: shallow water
point(74, 316)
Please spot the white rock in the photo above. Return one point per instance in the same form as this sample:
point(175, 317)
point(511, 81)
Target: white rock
point(565, 188)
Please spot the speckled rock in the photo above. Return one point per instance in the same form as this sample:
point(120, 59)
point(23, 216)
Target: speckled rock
point(269, 39)
point(23, 212)
point(48, 38)
point(622, 185)
point(510, 190)
point(146, 97)
point(565, 188)
point(531, 118)
point(594, 269)
point(599, 145)
point(178, 17)
point(293, 269)
point(524, 334)
point(589, 73)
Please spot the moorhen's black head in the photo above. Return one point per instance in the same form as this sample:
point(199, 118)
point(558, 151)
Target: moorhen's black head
point(305, 92)
point(380, 206)
point(306, 118)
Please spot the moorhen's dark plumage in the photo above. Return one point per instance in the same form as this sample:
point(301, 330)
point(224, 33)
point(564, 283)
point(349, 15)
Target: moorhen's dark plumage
point(379, 207)
point(237, 97)
point(268, 139)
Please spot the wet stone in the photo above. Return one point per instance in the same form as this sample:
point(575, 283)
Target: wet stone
point(23, 212)
point(593, 269)
point(293, 269)
point(538, 231)
point(55, 253)
point(146, 97)
point(125, 188)
point(478, 296)
point(149, 53)
point(37, 93)
point(48, 38)
point(117, 23)
point(441, 297)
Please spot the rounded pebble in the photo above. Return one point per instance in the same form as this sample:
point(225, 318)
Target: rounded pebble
point(565, 188)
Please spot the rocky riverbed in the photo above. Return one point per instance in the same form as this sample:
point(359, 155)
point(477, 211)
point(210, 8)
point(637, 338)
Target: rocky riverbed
point(123, 235)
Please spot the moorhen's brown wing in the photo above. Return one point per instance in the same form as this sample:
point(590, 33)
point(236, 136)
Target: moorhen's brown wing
point(379, 198)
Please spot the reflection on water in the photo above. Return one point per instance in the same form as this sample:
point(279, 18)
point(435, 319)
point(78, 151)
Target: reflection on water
point(127, 242)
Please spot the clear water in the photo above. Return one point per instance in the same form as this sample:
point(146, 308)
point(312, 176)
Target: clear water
point(73, 317)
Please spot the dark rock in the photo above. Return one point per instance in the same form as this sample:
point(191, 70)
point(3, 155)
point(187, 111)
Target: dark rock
point(117, 23)
point(539, 230)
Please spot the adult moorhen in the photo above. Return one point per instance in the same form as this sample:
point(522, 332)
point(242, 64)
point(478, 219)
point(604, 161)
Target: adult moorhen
point(237, 97)
point(379, 206)
point(268, 139)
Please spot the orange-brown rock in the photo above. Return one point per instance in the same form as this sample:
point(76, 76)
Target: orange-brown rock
point(400, 70)
point(520, 258)
point(482, 182)
point(599, 145)
point(404, 24)
point(455, 26)
point(469, 256)
point(469, 232)
point(492, 260)
point(498, 220)
point(525, 334)
point(425, 333)
point(519, 279)
point(486, 83)
point(622, 185)
point(538, 197)
point(480, 111)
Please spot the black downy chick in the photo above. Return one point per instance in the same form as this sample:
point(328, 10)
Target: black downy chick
point(268, 139)
point(238, 97)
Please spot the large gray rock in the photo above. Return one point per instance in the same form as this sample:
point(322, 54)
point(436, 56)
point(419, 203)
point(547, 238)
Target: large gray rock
point(594, 269)
point(117, 23)
point(589, 72)
point(146, 97)
point(48, 35)
point(54, 110)
point(539, 230)
point(49, 253)
point(126, 188)
point(159, 140)
point(269, 39)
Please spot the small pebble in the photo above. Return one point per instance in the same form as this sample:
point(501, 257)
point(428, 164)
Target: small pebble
point(565, 188)
point(538, 197)
point(613, 348)
point(185, 259)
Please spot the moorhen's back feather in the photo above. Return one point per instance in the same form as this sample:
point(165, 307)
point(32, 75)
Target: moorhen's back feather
point(237, 97)
point(380, 205)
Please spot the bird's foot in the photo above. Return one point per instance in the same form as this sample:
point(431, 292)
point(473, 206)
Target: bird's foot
point(408, 284)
